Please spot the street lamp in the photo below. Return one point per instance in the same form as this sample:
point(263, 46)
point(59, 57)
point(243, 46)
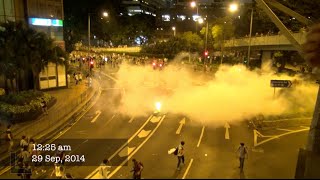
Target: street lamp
point(105, 14)
point(193, 4)
point(174, 31)
point(234, 7)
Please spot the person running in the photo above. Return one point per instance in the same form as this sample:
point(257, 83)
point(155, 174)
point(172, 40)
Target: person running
point(137, 169)
point(104, 169)
point(242, 153)
point(180, 154)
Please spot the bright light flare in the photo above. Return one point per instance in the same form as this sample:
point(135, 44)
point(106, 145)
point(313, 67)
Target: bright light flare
point(158, 106)
point(233, 7)
point(193, 4)
point(105, 14)
point(200, 21)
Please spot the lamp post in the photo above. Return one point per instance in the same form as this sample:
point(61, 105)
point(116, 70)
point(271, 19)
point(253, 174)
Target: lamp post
point(174, 31)
point(207, 27)
point(193, 4)
point(105, 14)
point(234, 7)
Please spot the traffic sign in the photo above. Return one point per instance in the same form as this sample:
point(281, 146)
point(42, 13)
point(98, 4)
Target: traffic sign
point(280, 83)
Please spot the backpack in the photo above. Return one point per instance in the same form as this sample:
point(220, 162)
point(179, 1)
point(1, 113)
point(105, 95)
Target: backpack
point(176, 151)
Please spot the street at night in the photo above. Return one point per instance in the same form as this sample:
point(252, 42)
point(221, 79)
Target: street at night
point(159, 89)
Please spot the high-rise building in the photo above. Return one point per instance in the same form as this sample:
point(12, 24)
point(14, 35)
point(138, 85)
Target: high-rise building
point(150, 7)
point(44, 16)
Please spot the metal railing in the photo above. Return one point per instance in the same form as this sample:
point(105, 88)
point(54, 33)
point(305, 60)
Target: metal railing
point(47, 123)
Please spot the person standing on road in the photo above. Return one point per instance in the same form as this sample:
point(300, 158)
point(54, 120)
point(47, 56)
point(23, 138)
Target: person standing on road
point(9, 138)
point(180, 154)
point(137, 169)
point(44, 106)
point(104, 169)
point(242, 153)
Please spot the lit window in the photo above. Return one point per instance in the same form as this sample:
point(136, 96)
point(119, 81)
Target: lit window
point(181, 17)
point(165, 17)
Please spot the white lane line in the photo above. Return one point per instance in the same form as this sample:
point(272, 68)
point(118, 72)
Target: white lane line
point(201, 135)
point(278, 136)
point(109, 76)
point(131, 120)
point(98, 113)
point(137, 149)
point(123, 146)
point(188, 168)
point(288, 130)
point(109, 120)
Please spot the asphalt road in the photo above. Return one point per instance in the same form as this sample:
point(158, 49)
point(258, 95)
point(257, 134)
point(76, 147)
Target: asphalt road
point(210, 152)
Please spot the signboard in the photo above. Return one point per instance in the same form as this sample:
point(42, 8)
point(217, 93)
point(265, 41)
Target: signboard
point(45, 22)
point(280, 83)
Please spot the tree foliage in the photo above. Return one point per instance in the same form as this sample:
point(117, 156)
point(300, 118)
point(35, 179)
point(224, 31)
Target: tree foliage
point(23, 49)
point(188, 41)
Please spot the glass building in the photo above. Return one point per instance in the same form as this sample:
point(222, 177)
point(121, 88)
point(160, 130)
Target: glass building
point(44, 16)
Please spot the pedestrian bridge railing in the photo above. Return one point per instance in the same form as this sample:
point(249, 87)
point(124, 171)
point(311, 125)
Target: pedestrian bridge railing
point(268, 40)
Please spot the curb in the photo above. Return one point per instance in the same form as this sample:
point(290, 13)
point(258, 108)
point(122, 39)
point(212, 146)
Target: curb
point(59, 126)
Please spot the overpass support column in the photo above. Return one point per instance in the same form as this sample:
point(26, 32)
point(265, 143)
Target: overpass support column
point(266, 60)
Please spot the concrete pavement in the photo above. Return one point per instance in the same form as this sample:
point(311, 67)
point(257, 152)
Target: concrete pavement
point(69, 101)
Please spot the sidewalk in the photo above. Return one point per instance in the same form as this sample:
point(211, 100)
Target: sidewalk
point(68, 100)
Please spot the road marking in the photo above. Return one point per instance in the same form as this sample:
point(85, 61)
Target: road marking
point(278, 136)
point(144, 133)
point(279, 120)
point(156, 119)
point(226, 135)
point(201, 135)
point(131, 120)
point(187, 170)
point(126, 151)
point(182, 122)
point(288, 130)
point(136, 150)
point(123, 146)
point(98, 113)
point(116, 80)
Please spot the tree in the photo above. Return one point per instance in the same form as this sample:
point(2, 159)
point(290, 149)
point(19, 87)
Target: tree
point(23, 49)
point(193, 41)
point(221, 30)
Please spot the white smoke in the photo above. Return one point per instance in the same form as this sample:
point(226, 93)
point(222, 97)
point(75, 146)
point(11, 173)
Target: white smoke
point(233, 94)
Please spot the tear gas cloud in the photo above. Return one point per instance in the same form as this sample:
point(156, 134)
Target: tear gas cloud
point(232, 94)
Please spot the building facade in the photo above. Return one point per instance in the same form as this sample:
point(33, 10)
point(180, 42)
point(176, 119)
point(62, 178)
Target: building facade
point(150, 7)
point(44, 16)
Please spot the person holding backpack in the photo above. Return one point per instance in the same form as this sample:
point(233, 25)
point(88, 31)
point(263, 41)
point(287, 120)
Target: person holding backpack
point(242, 153)
point(180, 154)
point(137, 169)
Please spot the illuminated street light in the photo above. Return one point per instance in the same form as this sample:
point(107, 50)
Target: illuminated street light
point(200, 21)
point(105, 14)
point(233, 7)
point(174, 31)
point(193, 4)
